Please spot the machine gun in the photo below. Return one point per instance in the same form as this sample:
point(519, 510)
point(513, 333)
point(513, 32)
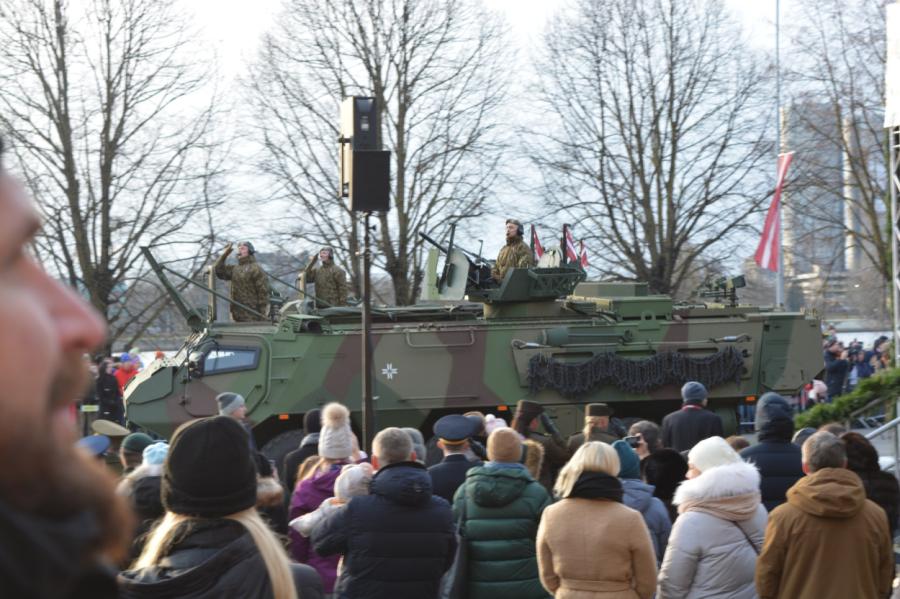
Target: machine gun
point(478, 275)
point(724, 288)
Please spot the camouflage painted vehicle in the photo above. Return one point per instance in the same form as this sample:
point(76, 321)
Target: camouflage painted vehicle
point(541, 333)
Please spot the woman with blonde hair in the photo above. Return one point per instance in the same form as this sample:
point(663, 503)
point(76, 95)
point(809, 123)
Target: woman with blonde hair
point(211, 541)
point(589, 544)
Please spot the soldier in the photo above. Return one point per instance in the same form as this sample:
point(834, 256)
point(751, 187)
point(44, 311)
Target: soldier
point(249, 285)
point(596, 427)
point(515, 254)
point(454, 433)
point(329, 278)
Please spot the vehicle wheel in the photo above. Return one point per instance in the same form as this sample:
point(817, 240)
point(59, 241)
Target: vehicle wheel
point(282, 444)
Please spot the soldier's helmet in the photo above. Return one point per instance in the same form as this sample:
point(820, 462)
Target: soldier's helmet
point(520, 228)
point(250, 249)
point(329, 249)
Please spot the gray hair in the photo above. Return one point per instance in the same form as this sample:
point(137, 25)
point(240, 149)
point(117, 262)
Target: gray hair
point(649, 431)
point(824, 450)
point(392, 445)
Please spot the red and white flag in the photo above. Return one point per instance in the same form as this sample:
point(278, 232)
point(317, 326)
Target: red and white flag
point(571, 253)
point(769, 250)
point(536, 244)
point(583, 252)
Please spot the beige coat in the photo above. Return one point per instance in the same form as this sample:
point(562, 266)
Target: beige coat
point(593, 549)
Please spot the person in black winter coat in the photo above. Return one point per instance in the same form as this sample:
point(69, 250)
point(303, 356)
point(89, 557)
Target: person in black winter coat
point(212, 542)
point(691, 424)
point(881, 487)
point(399, 540)
point(109, 396)
point(665, 469)
point(836, 368)
point(777, 459)
point(312, 425)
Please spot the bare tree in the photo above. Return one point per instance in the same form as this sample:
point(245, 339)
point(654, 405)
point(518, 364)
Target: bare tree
point(659, 135)
point(436, 70)
point(835, 126)
point(111, 124)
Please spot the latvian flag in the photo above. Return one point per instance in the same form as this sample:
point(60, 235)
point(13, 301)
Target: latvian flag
point(536, 244)
point(583, 252)
point(571, 252)
point(768, 252)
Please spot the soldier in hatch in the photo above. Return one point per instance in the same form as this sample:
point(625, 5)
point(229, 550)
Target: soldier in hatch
point(249, 284)
point(329, 278)
point(515, 254)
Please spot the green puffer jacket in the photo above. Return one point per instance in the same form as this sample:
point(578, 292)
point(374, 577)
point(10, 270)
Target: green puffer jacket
point(503, 510)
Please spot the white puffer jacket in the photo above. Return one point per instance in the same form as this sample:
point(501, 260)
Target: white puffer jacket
point(708, 554)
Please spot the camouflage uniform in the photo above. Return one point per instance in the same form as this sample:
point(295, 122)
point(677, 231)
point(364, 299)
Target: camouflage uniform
point(515, 254)
point(331, 283)
point(249, 286)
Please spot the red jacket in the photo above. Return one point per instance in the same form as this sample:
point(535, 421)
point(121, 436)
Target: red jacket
point(123, 376)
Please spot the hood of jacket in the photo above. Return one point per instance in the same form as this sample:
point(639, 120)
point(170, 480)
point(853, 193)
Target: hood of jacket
point(829, 493)
point(406, 483)
point(729, 491)
point(638, 494)
point(491, 486)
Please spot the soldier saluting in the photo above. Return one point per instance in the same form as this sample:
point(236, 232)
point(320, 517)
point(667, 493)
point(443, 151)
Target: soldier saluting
point(329, 278)
point(249, 284)
point(515, 254)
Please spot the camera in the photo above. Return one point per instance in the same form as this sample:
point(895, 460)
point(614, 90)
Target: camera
point(633, 441)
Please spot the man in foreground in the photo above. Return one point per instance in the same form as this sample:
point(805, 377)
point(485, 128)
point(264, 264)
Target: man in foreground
point(61, 523)
point(828, 540)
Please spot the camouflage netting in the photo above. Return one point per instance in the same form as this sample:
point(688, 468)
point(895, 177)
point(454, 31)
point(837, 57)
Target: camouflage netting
point(633, 375)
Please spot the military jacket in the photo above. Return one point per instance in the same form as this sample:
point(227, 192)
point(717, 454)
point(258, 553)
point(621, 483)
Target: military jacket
point(515, 254)
point(331, 284)
point(249, 286)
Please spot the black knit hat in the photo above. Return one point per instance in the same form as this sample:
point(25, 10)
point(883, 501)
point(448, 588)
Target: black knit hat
point(312, 421)
point(209, 472)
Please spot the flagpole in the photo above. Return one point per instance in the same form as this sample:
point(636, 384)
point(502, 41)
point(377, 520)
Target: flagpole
point(779, 279)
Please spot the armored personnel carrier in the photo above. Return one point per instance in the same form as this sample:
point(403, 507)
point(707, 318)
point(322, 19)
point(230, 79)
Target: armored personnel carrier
point(541, 333)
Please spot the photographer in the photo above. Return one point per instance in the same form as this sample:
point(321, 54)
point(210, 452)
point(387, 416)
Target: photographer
point(525, 422)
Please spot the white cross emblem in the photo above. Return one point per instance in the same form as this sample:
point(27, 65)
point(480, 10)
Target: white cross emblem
point(389, 371)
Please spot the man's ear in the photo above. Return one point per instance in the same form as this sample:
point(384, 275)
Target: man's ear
point(440, 443)
point(375, 464)
point(805, 467)
point(412, 456)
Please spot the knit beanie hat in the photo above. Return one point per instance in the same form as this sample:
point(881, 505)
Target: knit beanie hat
point(504, 445)
point(693, 392)
point(312, 421)
point(629, 462)
point(155, 453)
point(136, 442)
point(229, 402)
point(336, 438)
point(353, 480)
point(771, 406)
point(712, 452)
point(209, 472)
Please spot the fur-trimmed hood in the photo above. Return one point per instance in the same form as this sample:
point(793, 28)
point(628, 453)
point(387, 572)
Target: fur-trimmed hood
point(719, 482)
point(269, 492)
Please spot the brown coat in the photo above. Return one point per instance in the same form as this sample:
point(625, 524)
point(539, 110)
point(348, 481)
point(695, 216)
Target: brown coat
point(828, 540)
point(593, 549)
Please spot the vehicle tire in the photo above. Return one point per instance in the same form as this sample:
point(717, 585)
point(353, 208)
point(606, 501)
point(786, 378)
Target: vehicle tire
point(282, 444)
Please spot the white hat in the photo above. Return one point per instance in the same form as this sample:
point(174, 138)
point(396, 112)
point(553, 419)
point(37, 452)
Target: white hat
point(353, 480)
point(492, 423)
point(336, 438)
point(712, 452)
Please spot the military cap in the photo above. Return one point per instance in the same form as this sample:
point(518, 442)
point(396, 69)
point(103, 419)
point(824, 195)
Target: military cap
point(529, 409)
point(94, 444)
point(109, 428)
point(250, 249)
point(136, 442)
point(598, 409)
point(519, 226)
point(454, 428)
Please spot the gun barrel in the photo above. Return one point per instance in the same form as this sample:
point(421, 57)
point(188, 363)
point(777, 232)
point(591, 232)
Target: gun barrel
point(432, 241)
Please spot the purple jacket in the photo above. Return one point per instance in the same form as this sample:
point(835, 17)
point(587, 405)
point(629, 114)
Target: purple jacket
point(308, 495)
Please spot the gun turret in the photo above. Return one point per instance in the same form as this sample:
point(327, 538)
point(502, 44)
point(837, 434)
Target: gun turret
point(724, 288)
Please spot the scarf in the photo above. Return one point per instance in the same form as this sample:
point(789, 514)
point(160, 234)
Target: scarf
point(597, 485)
